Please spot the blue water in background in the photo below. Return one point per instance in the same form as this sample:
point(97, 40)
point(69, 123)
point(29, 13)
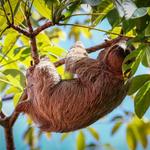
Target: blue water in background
point(102, 126)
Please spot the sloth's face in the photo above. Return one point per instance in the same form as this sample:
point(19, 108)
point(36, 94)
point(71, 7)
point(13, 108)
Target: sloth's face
point(116, 55)
point(123, 52)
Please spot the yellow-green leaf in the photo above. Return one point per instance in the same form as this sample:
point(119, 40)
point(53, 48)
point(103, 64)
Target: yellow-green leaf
point(93, 132)
point(130, 137)
point(42, 8)
point(116, 127)
point(16, 98)
point(64, 136)
point(0, 104)
point(80, 141)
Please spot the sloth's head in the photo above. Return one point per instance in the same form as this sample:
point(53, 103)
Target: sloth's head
point(115, 55)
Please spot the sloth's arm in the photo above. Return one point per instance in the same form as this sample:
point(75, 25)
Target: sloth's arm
point(78, 62)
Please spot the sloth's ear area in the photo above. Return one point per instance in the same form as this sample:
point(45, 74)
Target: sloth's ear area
point(23, 106)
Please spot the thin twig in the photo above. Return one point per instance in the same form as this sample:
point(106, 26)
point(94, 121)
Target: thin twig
point(20, 30)
point(8, 21)
point(93, 28)
point(12, 14)
point(86, 14)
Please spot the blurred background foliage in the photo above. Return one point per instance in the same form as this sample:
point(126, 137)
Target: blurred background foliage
point(75, 19)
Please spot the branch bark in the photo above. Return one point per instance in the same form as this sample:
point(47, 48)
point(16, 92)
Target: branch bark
point(34, 50)
point(43, 27)
point(94, 48)
point(20, 30)
point(9, 138)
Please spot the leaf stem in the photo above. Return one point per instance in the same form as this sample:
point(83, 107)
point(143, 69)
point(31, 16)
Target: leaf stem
point(86, 14)
point(92, 28)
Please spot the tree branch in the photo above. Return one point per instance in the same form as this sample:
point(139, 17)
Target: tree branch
point(9, 138)
point(94, 48)
point(20, 30)
point(43, 27)
point(34, 50)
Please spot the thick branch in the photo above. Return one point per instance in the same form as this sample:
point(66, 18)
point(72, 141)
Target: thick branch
point(9, 138)
point(43, 27)
point(94, 48)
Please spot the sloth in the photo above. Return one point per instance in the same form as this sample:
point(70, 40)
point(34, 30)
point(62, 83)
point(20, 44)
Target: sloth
point(97, 88)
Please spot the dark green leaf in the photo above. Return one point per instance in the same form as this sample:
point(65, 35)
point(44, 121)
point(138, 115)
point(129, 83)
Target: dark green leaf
point(28, 136)
point(104, 8)
point(1, 104)
point(137, 82)
point(142, 100)
point(116, 118)
point(113, 17)
point(146, 57)
point(116, 127)
point(129, 69)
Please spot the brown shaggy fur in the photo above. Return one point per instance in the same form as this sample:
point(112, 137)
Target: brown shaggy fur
point(67, 105)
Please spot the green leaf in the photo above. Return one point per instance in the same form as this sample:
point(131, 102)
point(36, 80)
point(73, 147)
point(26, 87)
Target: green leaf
point(147, 30)
point(29, 137)
point(116, 127)
point(117, 118)
point(139, 128)
point(146, 57)
point(10, 41)
point(137, 82)
point(104, 8)
point(16, 98)
point(142, 100)
point(132, 62)
point(80, 141)
point(1, 104)
point(48, 135)
point(12, 90)
point(15, 77)
point(108, 147)
point(149, 11)
point(64, 136)
point(2, 86)
point(42, 8)
point(131, 138)
point(93, 132)
point(139, 12)
point(113, 18)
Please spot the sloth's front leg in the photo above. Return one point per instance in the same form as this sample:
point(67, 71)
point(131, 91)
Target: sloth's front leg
point(77, 53)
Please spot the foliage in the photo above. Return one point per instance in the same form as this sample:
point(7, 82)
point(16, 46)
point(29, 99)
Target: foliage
point(127, 17)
